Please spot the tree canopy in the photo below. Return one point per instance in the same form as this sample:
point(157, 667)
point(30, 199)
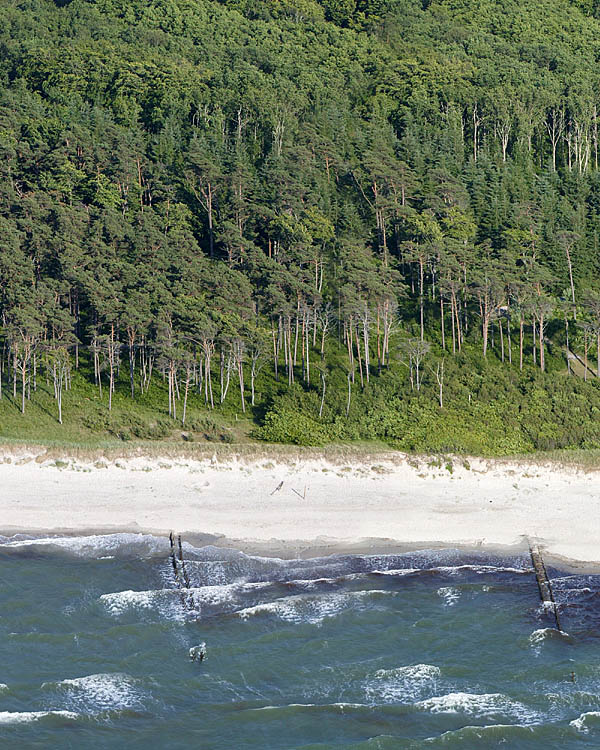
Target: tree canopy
point(345, 188)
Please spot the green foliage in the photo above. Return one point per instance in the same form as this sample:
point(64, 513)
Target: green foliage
point(287, 426)
point(339, 11)
point(481, 429)
point(294, 212)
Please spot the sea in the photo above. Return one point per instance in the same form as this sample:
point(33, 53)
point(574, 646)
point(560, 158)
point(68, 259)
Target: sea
point(105, 642)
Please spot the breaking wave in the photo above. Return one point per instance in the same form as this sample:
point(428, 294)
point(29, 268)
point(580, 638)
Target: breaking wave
point(314, 609)
point(95, 546)
point(98, 693)
point(27, 717)
point(586, 722)
point(402, 684)
point(479, 706)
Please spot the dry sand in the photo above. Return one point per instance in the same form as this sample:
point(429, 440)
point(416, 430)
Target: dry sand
point(320, 505)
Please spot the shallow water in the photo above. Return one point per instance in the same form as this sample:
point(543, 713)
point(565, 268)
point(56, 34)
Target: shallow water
point(422, 649)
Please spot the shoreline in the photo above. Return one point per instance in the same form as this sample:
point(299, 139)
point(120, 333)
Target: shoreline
point(300, 549)
point(302, 502)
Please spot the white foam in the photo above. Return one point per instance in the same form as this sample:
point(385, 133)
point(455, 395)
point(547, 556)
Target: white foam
point(312, 609)
point(120, 601)
point(168, 601)
point(225, 593)
point(311, 583)
point(340, 705)
point(449, 594)
point(102, 692)
point(487, 704)
point(100, 545)
point(26, 717)
point(3, 687)
point(452, 570)
point(540, 635)
point(398, 572)
point(287, 705)
point(481, 569)
point(402, 684)
point(543, 634)
point(582, 723)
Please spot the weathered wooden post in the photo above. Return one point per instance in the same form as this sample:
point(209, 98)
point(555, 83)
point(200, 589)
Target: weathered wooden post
point(186, 577)
point(544, 586)
point(174, 561)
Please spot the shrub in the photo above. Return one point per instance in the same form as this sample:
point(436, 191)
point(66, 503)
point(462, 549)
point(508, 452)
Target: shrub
point(287, 426)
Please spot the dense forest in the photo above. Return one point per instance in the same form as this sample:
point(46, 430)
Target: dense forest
point(334, 220)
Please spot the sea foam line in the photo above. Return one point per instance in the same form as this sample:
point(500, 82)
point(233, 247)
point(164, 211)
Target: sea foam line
point(26, 717)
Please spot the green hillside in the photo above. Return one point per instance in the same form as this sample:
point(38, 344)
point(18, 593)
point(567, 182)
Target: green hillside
point(301, 222)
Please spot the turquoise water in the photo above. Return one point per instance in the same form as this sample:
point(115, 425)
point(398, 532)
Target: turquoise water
point(415, 650)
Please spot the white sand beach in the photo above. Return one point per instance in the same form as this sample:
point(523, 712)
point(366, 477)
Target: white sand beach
point(301, 504)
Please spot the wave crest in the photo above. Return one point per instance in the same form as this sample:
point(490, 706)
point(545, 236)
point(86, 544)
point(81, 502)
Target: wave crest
point(27, 717)
point(402, 684)
point(101, 692)
point(586, 722)
point(313, 609)
point(478, 705)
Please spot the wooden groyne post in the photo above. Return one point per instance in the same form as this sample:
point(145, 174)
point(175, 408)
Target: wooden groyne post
point(182, 578)
point(544, 585)
point(186, 578)
point(174, 561)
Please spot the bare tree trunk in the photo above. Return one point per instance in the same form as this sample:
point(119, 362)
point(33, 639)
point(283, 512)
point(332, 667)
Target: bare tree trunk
point(241, 379)
point(185, 394)
point(440, 379)
point(222, 371)
point(307, 345)
point(442, 322)
point(421, 301)
point(285, 352)
point(131, 362)
point(296, 336)
point(366, 344)
point(349, 393)
point(291, 354)
point(322, 395)
point(276, 350)
point(23, 379)
point(542, 351)
point(350, 347)
point(208, 391)
point(567, 343)
point(485, 324)
point(172, 381)
point(521, 343)
point(570, 265)
point(360, 367)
